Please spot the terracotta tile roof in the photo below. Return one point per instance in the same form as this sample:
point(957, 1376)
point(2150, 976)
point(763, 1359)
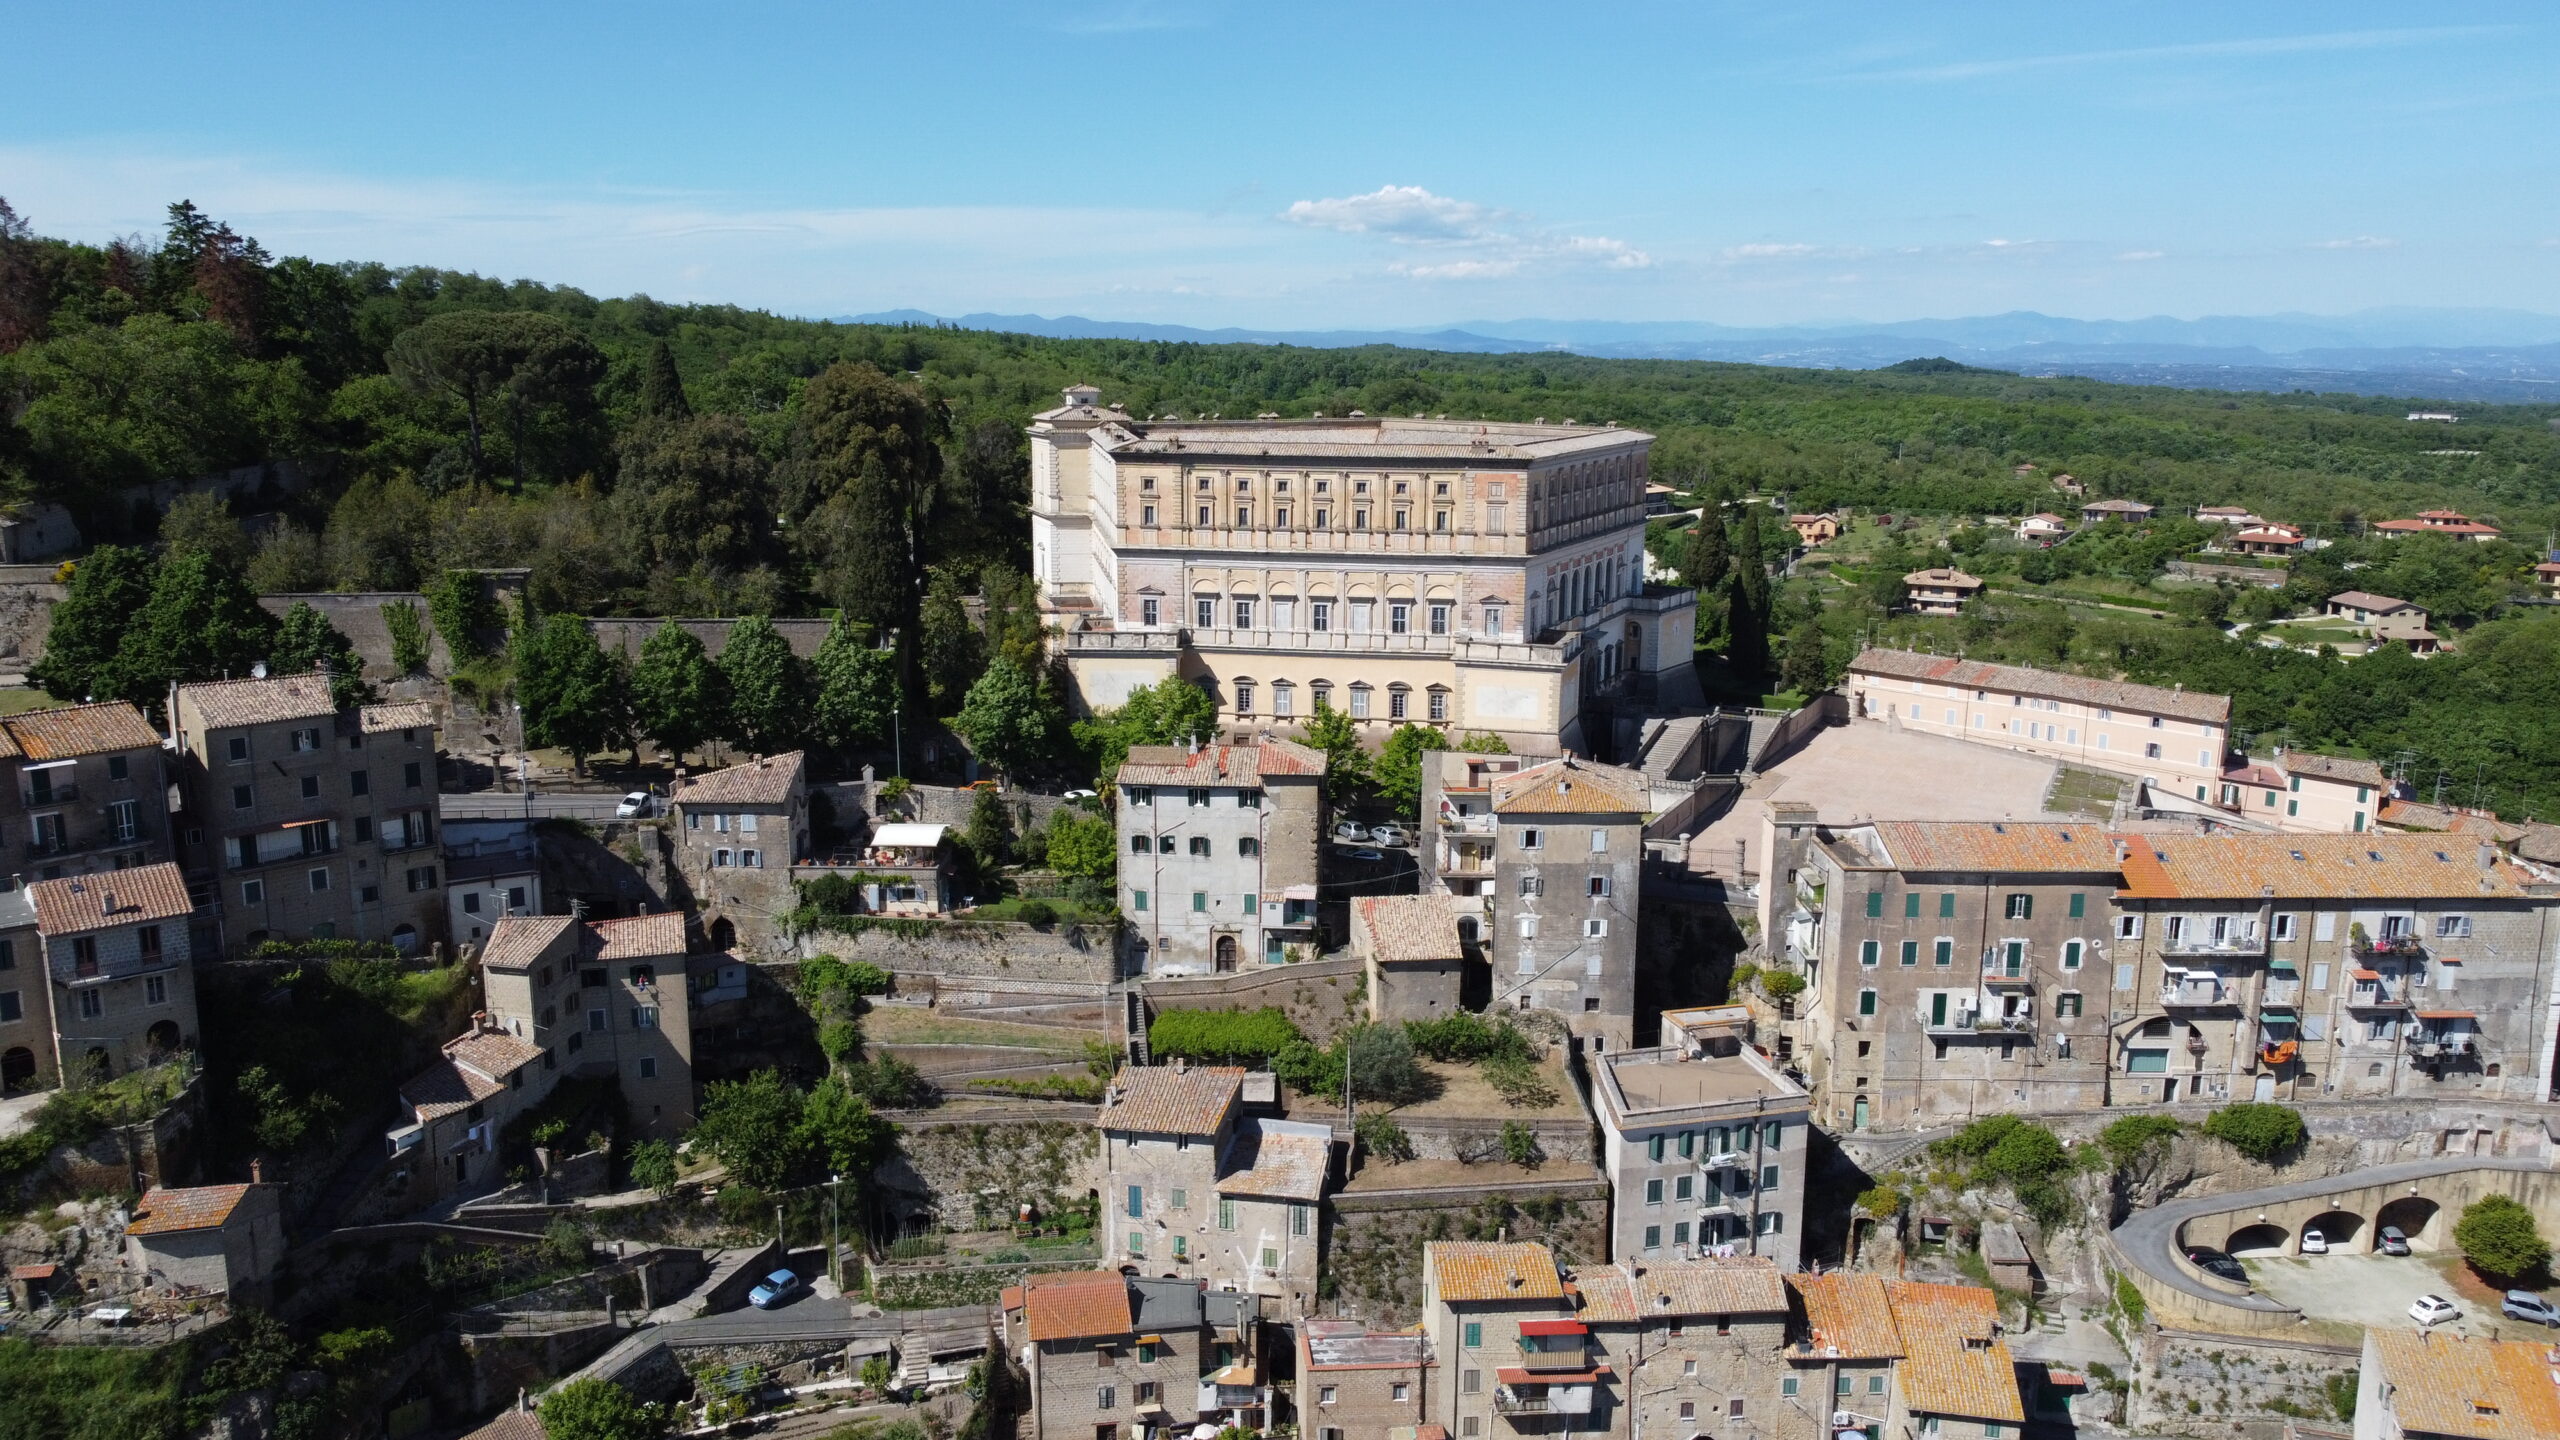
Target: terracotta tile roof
point(1218, 764)
point(445, 1087)
point(517, 941)
point(1745, 1286)
point(1571, 787)
point(1476, 1271)
point(1161, 1100)
point(758, 782)
point(78, 904)
point(2119, 507)
point(1847, 1311)
point(203, 1207)
point(221, 704)
point(2264, 776)
point(1277, 1160)
point(1352, 1345)
point(2455, 526)
point(2332, 767)
point(2270, 535)
point(2046, 684)
point(491, 1053)
point(80, 730)
point(410, 715)
point(2340, 867)
point(2366, 600)
point(639, 937)
point(1998, 845)
point(1943, 577)
point(2445, 1384)
point(1954, 1362)
point(1407, 927)
point(2412, 815)
point(512, 1425)
point(1077, 1305)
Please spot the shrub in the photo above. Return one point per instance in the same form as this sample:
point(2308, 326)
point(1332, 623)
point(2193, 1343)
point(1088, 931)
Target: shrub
point(1781, 984)
point(2129, 1300)
point(1883, 1200)
point(1466, 1036)
point(2498, 1237)
point(1036, 913)
point(1521, 1082)
point(2342, 1395)
point(1379, 1063)
point(1223, 1036)
point(1976, 1139)
point(1382, 1137)
point(1519, 1143)
point(2261, 1132)
point(2126, 1139)
point(653, 1164)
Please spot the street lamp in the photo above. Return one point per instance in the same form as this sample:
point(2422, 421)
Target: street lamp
point(835, 1241)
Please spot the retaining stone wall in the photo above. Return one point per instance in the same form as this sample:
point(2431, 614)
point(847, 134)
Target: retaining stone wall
point(1321, 997)
point(2188, 1383)
point(1062, 956)
point(1374, 1240)
point(939, 1175)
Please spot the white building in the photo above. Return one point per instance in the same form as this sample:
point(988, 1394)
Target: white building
point(2173, 737)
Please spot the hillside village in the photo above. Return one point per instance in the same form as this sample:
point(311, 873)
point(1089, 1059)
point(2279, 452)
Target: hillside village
point(1447, 1012)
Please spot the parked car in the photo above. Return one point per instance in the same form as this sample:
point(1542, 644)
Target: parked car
point(779, 1289)
point(1390, 835)
point(2432, 1310)
point(1081, 795)
point(1365, 854)
point(1351, 832)
point(2393, 1242)
point(2314, 1243)
point(2525, 1305)
point(2217, 1264)
point(639, 803)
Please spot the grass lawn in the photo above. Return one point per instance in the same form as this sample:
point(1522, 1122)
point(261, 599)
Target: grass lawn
point(916, 1025)
point(2084, 792)
point(18, 700)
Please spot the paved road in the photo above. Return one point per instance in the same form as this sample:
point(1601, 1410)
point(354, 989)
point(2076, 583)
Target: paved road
point(813, 1318)
point(2148, 1240)
point(541, 804)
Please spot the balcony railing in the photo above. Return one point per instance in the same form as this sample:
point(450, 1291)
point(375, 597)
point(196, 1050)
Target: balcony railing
point(2387, 945)
point(1507, 1403)
point(1570, 1354)
point(2281, 994)
point(1725, 1160)
point(2382, 995)
point(2249, 943)
point(54, 795)
point(2190, 997)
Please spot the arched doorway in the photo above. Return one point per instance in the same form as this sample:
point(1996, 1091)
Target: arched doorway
point(162, 1037)
point(2257, 1240)
point(2338, 1228)
point(1226, 953)
point(724, 936)
point(17, 1069)
point(1858, 1113)
point(2413, 1216)
point(404, 938)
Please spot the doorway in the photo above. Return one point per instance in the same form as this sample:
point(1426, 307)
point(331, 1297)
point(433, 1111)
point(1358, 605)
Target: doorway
point(1858, 1113)
point(1226, 953)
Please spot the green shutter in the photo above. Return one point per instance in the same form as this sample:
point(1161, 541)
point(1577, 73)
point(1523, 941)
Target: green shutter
point(1947, 905)
point(1910, 952)
point(1875, 904)
point(2079, 905)
point(1866, 1002)
point(1911, 906)
point(1946, 952)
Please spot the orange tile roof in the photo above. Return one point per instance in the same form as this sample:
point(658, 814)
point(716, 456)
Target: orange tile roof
point(78, 904)
point(2344, 867)
point(1627, 1292)
point(517, 941)
point(758, 782)
point(1163, 1100)
point(1478, 1271)
point(1077, 1305)
point(1407, 927)
point(1998, 845)
point(638, 937)
point(491, 1053)
point(1847, 1311)
point(445, 1087)
point(1954, 1362)
point(203, 1207)
point(512, 1425)
point(409, 715)
point(222, 704)
point(2046, 684)
point(2443, 1384)
point(1218, 764)
point(81, 730)
point(1570, 787)
point(2343, 768)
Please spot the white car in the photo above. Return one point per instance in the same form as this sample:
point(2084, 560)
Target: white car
point(2432, 1310)
point(636, 804)
point(1080, 795)
point(1351, 832)
point(2314, 1243)
point(1390, 835)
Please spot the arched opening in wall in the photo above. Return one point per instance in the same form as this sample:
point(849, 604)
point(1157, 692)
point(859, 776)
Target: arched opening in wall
point(724, 936)
point(2414, 1216)
point(17, 1069)
point(404, 938)
point(162, 1037)
point(2338, 1228)
point(1226, 953)
point(2258, 1240)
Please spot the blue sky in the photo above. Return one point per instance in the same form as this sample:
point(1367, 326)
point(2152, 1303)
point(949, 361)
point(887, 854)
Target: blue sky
point(1317, 165)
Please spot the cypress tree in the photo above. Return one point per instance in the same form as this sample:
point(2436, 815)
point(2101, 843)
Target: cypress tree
point(1710, 557)
point(661, 388)
point(1748, 651)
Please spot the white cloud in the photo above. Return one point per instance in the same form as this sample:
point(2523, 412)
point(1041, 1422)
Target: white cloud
point(2357, 242)
point(1493, 243)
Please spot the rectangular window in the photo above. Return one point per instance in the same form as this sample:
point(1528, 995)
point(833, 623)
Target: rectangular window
point(1653, 1192)
point(1787, 1385)
point(1875, 904)
point(1868, 953)
point(1866, 1002)
point(1199, 902)
point(1910, 952)
point(91, 1005)
point(2021, 907)
point(1653, 1237)
point(1137, 1202)
point(1944, 952)
point(2071, 954)
point(1599, 842)
point(1298, 1219)
point(1244, 614)
point(1473, 1338)
point(1911, 906)
point(253, 892)
point(11, 1010)
point(2066, 1006)
point(1947, 906)
point(155, 990)
point(2128, 927)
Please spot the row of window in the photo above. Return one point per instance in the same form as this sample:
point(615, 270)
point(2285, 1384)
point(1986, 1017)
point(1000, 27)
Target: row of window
point(1771, 1222)
point(1593, 928)
point(420, 878)
point(1199, 902)
point(1716, 1140)
point(92, 1001)
point(723, 822)
point(2066, 1005)
point(1178, 1198)
point(2008, 954)
point(2013, 907)
point(1195, 796)
point(1438, 615)
point(1200, 846)
point(723, 859)
point(413, 776)
point(1320, 517)
point(1284, 699)
point(302, 741)
point(1684, 1187)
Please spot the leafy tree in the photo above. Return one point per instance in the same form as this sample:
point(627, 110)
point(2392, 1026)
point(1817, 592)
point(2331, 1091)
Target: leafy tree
point(201, 623)
point(1709, 561)
point(1479, 742)
point(840, 1131)
point(199, 523)
point(574, 695)
point(1398, 768)
point(526, 363)
point(754, 1127)
point(1084, 845)
point(2499, 1238)
point(464, 615)
point(770, 697)
point(151, 399)
point(692, 495)
point(107, 592)
point(1172, 711)
point(661, 388)
point(1008, 717)
point(953, 653)
point(1346, 764)
point(990, 830)
point(409, 636)
point(653, 1164)
point(306, 641)
point(284, 1123)
point(594, 1409)
point(1807, 668)
point(1378, 1059)
point(2261, 1132)
point(857, 690)
point(679, 699)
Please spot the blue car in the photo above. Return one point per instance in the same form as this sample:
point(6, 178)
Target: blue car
point(779, 1289)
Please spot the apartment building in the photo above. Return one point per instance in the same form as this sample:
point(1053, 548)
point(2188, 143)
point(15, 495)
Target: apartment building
point(1120, 1357)
point(1475, 575)
point(2167, 737)
point(1219, 848)
point(1705, 1143)
point(1355, 1381)
point(1195, 1187)
point(2422, 1384)
point(97, 977)
point(595, 999)
point(1514, 1357)
point(300, 819)
point(2290, 792)
point(2304, 966)
point(1700, 1344)
point(90, 792)
point(1952, 969)
point(1553, 852)
point(1900, 1358)
point(738, 832)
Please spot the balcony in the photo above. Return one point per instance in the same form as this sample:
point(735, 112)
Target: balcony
point(2363, 944)
point(2281, 995)
point(2001, 976)
point(1725, 1160)
point(1554, 1352)
point(1959, 1021)
point(50, 795)
point(2194, 995)
point(1453, 823)
point(1466, 860)
point(2248, 943)
point(2373, 991)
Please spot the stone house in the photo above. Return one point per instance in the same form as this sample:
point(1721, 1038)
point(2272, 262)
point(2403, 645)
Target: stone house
point(1120, 1357)
point(1705, 1144)
point(1900, 1358)
point(28, 1053)
point(1195, 1187)
point(1354, 1381)
point(2311, 966)
point(218, 1239)
point(118, 967)
point(2167, 736)
point(90, 792)
point(2301, 793)
point(1700, 1345)
point(303, 820)
point(1410, 951)
point(2423, 1384)
point(1952, 969)
point(1218, 853)
point(1513, 1355)
point(738, 832)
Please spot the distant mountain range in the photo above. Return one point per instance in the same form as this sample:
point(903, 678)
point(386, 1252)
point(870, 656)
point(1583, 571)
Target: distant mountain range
point(2508, 355)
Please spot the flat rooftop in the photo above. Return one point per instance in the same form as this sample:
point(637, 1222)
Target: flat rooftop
point(1363, 439)
point(1671, 1079)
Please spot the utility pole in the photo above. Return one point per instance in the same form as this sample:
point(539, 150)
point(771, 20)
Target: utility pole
point(835, 1238)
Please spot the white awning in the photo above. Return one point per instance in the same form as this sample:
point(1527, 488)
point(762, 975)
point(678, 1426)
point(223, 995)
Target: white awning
point(907, 835)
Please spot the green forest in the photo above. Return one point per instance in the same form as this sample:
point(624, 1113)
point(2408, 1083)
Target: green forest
point(640, 457)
